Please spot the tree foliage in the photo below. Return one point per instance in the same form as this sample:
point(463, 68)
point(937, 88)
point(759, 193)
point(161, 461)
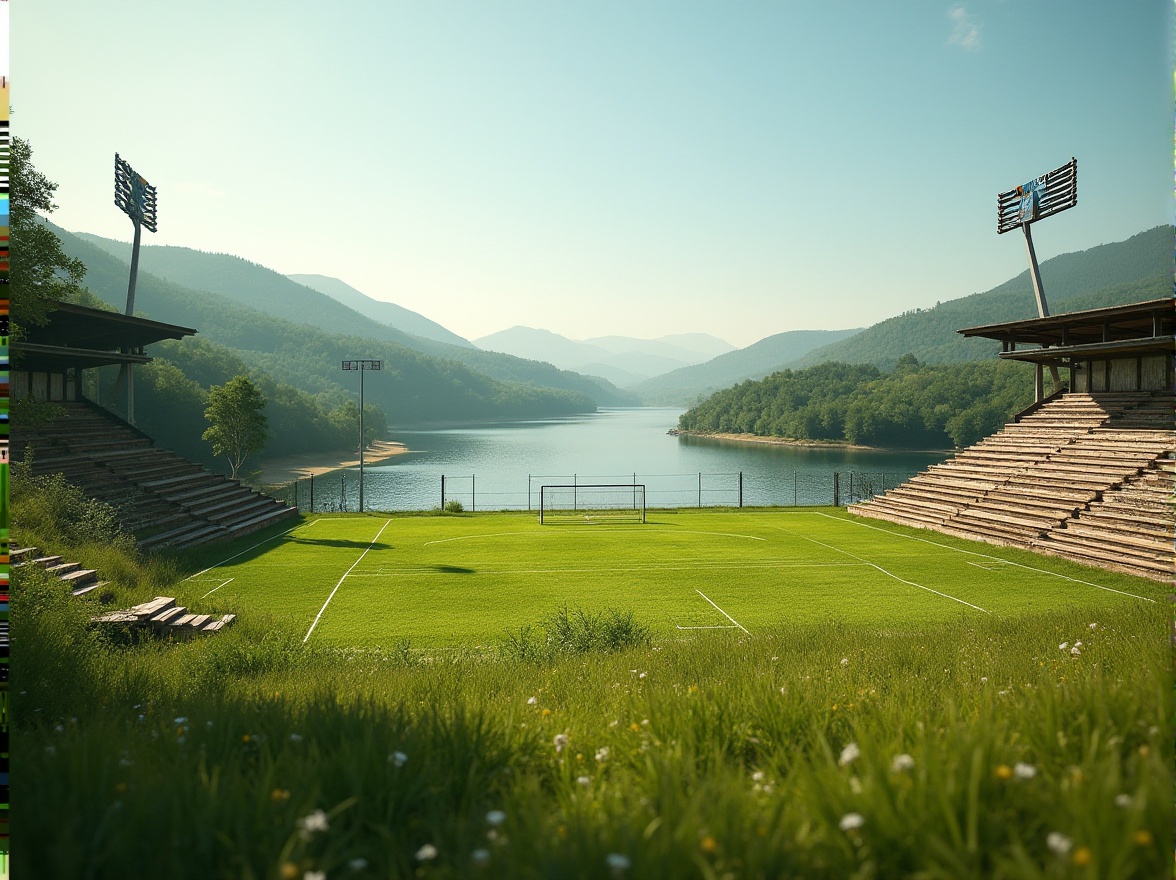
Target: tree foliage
point(914, 407)
point(239, 426)
point(42, 273)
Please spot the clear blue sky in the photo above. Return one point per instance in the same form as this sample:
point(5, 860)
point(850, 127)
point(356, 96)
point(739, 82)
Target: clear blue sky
point(638, 168)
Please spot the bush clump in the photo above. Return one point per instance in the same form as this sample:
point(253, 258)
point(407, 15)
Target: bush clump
point(567, 632)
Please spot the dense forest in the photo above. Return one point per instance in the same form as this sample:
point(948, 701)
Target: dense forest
point(916, 406)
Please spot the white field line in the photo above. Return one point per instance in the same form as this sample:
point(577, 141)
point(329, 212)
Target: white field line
point(721, 611)
point(217, 587)
point(254, 547)
point(884, 571)
point(318, 616)
point(1064, 577)
point(732, 566)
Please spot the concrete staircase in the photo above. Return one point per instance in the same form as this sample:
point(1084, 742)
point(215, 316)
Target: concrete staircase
point(163, 499)
point(1062, 480)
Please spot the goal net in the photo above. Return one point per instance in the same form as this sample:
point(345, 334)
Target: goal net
point(612, 502)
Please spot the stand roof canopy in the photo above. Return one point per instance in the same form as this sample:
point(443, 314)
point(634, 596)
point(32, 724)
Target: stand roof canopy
point(1134, 330)
point(81, 337)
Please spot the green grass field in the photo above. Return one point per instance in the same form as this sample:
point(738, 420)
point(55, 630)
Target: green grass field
point(463, 580)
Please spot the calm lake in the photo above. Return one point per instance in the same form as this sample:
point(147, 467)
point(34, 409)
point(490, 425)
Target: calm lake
point(502, 466)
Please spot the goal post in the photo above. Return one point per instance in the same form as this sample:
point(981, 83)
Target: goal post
point(592, 503)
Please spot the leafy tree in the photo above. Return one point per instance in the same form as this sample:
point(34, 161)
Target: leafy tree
point(239, 426)
point(42, 273)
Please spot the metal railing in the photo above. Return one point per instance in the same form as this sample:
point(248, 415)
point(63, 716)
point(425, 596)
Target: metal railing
point(392, 490)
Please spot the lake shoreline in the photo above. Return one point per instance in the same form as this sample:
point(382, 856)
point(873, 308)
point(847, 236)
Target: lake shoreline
point(787, 441)
point(289, 468)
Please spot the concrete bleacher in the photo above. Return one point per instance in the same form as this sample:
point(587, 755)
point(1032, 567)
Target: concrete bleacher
point(1085, 476)
point(162, 498)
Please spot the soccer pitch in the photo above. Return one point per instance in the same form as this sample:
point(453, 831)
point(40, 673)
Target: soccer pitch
point(465, 580)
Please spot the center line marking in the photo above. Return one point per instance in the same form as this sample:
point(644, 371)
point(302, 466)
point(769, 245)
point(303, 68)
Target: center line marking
point(338, 585)
point(721, 611)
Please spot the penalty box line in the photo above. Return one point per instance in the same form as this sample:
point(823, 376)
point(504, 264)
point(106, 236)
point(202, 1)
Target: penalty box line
point(881, 569)
point(1064, 577)
point(318, 616)
point(721, 611)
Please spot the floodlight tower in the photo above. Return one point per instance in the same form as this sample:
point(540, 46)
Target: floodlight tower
point(1041, 197)
point(363, 367)
point(136, 198)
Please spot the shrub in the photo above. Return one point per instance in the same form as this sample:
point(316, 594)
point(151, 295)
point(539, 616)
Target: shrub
point(453, 506)
point(567, 632)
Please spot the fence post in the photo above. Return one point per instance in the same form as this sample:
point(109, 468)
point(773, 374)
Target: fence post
point(700, 488)
point(473, 494)
point(851, 487)
point(443, 491)
point(741, 488)
point(836, 489)
point(312, 493)
point(343, 491)
point(575, 493)
point(794, 504)
point(528, 492)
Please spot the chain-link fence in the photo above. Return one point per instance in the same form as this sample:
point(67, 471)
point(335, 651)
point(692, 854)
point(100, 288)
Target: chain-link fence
point(389, 489)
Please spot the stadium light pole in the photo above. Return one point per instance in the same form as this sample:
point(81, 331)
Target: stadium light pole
point(1042, 197)
point(362, 366)
point(136, 198)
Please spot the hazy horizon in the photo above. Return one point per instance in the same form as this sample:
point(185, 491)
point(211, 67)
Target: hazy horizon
point(609, 169)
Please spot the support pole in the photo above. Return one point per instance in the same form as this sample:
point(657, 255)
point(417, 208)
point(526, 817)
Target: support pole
point(1042, 308)
point(443, 491)
point(361, 444)
point(130, 310)
point(741, 488)
point(312, 493)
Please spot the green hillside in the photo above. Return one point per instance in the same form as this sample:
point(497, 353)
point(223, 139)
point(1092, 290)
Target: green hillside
point(1137, 269)
point(248, 284)
point(414, 387)
point(682, 386)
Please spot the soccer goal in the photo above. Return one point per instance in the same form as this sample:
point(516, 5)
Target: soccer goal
point(602, 502)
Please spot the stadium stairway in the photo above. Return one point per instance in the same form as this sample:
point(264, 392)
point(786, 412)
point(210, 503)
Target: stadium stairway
point(78, 580)
point(1088, 477)
point(162, 498)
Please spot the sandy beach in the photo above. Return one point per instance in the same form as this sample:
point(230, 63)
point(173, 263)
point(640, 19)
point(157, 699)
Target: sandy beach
point(771, 441)
point(287, 469)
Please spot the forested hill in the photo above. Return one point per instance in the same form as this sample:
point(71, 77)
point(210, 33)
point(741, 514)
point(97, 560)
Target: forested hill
point(914, 407)
point(237, 281)
point(684, 385)
point(413, 388)
point(1134, 270)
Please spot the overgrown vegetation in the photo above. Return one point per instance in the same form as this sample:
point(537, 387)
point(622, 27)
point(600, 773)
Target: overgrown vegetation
point(915, 407)
point(566, 632)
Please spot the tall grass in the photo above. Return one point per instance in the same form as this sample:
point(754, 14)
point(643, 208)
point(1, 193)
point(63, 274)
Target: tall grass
point(720, 755)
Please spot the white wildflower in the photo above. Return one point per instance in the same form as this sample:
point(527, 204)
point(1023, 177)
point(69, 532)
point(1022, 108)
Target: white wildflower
point(1094, 626)
point(398, 759)
point(618, 864)
point(1125, 801)
point(1064, 646)
point(560, 741)
point(426, 853)
point(757, 776)
point(849, 754)
point(1075, 652)
point(844, 661)
point(316, 821)
point(315, 875)
point(855, 785)
point(183, 719)
point(851, 822)
point(532, 701)
point(296, 737)
point(984, 679)
point(1024, 771)
point(602, 754)
point(902, 763)
point(1058, 842)
point(584, 780)
point(495, 818)
point(480, 857)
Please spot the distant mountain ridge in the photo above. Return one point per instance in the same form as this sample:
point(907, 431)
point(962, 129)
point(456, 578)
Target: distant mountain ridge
point(388, 313)
point(683, 386)
point(413, 388)
point(620, 359)
point(256, 287)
